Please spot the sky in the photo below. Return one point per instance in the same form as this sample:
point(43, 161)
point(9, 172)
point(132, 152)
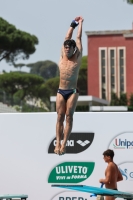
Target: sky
point(49, 21)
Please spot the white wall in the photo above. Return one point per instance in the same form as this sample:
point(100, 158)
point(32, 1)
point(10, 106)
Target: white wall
point(25, 164)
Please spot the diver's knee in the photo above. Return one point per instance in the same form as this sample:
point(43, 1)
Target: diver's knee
point(69, 117)
point(61, 117)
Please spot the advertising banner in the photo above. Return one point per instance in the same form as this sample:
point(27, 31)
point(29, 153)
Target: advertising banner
point(30, 166)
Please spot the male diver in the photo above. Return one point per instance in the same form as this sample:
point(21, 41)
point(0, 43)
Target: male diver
point(67, 94)
point(112, 173)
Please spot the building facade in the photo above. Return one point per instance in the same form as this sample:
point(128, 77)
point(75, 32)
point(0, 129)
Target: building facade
point(110, 63)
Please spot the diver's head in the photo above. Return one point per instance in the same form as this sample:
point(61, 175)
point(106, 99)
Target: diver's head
point(69, 47)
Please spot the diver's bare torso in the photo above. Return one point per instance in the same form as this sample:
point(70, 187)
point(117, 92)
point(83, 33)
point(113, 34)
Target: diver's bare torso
point(69, 69)
point(114, 176)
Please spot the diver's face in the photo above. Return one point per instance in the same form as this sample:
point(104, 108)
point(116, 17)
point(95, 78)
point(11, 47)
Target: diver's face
point(106, 158)
point(68, 50)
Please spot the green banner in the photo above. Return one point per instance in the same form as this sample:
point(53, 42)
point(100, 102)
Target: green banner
point(71, 172)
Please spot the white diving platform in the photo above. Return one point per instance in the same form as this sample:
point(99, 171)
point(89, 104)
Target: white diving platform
point(13, 196)
point(83, 101)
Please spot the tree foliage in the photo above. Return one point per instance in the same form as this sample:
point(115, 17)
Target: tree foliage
point(47, 69)
point(130, 1)
point(119, 101)
point(123, 101)
point(14, 43)
point(20, 84)
point(82, 79)
point(114, 100)
point(43, 92)
point(53, 85)
point(131, 99)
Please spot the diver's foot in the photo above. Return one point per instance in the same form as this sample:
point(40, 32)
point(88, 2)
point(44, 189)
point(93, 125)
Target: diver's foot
point(57, 150)
point(62, 150)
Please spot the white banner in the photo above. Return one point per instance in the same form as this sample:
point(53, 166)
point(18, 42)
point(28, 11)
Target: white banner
point(29, 165)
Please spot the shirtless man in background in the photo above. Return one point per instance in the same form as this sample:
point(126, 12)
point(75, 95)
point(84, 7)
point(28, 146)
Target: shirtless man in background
point(67, 94)
point(112, 173)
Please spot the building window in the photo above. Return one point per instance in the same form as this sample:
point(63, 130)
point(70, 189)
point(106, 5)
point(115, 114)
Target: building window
point(121, 70)
point(112, 70)
point(103, 73)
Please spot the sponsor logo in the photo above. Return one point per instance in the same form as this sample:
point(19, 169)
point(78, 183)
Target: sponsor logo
point(83, 143)
point(126, 170)
point(77, 143)
point(123, 141)
point(71, 196)
point(71, 172)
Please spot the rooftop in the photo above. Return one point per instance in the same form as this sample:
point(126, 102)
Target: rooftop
point(126, 33)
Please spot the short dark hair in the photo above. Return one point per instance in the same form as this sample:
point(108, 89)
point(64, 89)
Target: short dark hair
point(109, 152)
point(70, 43)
